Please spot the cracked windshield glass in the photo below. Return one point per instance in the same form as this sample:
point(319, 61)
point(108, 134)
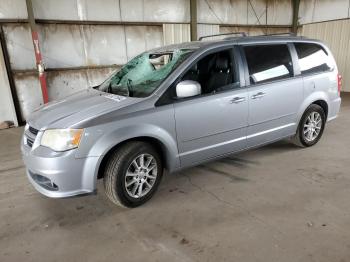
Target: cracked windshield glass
point(143, 74)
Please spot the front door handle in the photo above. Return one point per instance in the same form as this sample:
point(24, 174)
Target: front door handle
point(258, 95)
point(237, 100)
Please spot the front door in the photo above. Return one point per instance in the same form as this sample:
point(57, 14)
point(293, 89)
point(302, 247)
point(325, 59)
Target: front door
point(215, 122)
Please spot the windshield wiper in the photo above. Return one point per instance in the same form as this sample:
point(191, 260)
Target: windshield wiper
point(109, 88)
point(129, 86)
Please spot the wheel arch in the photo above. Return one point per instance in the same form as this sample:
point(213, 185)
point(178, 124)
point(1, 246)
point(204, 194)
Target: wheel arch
point(318, 98)
point(322, 103)
point(158, 145)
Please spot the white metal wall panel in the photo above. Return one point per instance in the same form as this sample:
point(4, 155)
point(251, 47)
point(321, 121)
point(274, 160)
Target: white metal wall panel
point(176, 33)
point(251, 12)
point(222, 12)
point(62, 45)
point(20, 47)
point(7, 109)
point(311, 11)
point(28, 92)
point(60, 84)
point(65, 46)
point(105, 45)
point(56, 10)
point(155, 10)
point(97, 76)
point(13, 9)
point(204, 30)
point(64, 83)
point(257, 12)
point(106, 10)
point(279, 12)
point(141, 38)
point(114, 10)
point(337, 37)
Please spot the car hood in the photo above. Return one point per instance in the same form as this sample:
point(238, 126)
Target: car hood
point(77, 108)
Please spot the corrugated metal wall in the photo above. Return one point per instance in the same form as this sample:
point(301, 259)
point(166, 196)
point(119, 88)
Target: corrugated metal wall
point(79, 55)
point(336, 34)
point(83, 41)
point(79, 47)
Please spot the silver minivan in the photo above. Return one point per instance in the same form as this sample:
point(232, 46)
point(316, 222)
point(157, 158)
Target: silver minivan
point(178, 106)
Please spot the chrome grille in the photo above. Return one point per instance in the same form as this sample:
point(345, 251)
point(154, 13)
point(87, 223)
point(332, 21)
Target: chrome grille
point(30, 135)
point(29, 142)
point(33, 130)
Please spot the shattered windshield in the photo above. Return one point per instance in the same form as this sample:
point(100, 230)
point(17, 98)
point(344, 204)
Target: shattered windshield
point(143, 74)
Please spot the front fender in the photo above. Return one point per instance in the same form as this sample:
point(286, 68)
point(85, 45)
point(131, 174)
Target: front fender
point(107, 140)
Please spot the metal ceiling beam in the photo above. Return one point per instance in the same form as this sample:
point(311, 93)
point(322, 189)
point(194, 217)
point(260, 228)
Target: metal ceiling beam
point(193, 11)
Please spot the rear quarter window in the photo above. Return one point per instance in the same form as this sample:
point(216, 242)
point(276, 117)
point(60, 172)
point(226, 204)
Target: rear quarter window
point(312, 58)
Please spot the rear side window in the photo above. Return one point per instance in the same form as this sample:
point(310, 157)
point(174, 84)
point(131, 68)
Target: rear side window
point(268, 63)
point(312, 58)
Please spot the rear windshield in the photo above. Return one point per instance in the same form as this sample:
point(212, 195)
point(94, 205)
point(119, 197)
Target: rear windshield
point(143, 74)
point(312, 58)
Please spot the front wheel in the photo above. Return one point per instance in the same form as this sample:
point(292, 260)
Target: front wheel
point(311, 126)
point(132, 174)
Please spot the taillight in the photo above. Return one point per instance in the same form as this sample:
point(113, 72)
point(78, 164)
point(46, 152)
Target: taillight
point(339, 83)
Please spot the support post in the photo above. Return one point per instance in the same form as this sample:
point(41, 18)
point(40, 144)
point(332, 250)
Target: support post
point(193, 11)
point(296, 4)
point(38, 56)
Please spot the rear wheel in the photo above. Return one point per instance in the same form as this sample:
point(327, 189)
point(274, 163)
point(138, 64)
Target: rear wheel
point(311, 126)
point(132, 174)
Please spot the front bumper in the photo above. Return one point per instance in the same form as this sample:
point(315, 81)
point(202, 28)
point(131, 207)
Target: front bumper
point(59, 175)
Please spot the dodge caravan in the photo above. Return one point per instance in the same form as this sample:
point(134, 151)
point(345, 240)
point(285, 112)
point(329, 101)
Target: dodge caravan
point(178, 106)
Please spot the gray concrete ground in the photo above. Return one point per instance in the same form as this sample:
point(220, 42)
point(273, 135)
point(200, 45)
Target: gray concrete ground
point(276, 203)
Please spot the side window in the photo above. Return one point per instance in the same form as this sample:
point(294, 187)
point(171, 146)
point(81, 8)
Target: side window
point(312, 58)
point(268, 63)
point(214, 72)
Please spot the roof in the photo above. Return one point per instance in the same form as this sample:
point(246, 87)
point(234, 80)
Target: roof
point(237, 39)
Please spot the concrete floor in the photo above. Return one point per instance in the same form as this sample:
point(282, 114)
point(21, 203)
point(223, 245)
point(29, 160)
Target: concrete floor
point(276, 203)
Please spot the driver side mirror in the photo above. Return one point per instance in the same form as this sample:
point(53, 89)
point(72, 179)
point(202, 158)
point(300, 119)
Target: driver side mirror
point(188, 88)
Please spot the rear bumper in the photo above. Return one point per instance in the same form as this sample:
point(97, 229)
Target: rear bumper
point(333, 109)
point(59, 175)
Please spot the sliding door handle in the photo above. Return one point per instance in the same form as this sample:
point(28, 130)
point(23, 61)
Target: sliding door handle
point(258, 95)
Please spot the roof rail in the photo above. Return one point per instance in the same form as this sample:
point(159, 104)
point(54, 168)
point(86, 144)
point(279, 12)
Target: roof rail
point(236, 33)
point(277, 34)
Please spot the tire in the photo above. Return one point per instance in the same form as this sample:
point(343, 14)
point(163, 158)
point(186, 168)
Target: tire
point(303, 139)
point(121, 162)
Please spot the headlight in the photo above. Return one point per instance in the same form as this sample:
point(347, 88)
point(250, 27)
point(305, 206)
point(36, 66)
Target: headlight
point(61, 139)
